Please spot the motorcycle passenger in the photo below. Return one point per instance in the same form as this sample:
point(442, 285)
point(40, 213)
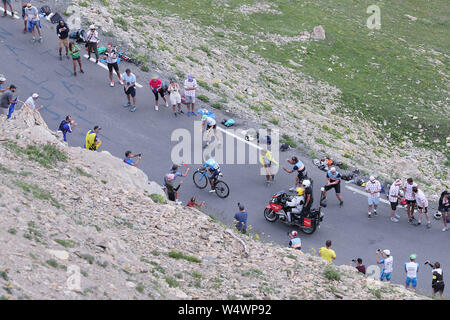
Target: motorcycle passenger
point(299, 168)
point(308, 195)
point(295, 242)
point(296, 203)
point(214, 170)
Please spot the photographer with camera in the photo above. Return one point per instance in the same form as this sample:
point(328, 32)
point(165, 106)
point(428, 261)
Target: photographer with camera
point(387, 262)
point(128, 158)
point(359, 266)
point(437, 284)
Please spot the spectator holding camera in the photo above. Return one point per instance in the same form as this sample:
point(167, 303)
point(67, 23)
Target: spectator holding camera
point(359, 266)
point(437, 284)
point(128, 158)
point(387, 262)
point(66, 126)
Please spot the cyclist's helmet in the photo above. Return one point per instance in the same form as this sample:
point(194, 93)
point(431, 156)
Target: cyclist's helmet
point(300, 191)
point(306, 183)
point(293, 233)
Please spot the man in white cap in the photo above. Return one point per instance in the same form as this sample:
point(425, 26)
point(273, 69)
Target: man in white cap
point(33, 21)
point(387, 262)
point(2, 83)
point(373, 188)
point(92, 40)
point(31, 102)
point(394, 194)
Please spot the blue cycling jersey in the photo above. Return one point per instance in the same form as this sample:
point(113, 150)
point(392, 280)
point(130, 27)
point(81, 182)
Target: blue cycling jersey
point(212, 164)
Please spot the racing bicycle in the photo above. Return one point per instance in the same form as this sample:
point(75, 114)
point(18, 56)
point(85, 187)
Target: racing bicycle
point(201, 179)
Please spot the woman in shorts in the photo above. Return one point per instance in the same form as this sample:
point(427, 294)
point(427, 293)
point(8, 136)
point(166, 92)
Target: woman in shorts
point(111, 61)
point(444, 207)
point(175, 97)
point(156, 86)
point(74, 51)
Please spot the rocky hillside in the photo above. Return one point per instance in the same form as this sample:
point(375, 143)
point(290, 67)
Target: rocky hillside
point(66, 211)
point(376, 100)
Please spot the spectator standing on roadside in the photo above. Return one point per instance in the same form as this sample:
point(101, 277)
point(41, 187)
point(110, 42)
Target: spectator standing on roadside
point(5, 3)
point(240, 219)
point(24, 5)
point(128, 158)
point(172, 191)
point(394, 194)
point(92, 41)
point(411, 269)
point(387, 262)
point(175, 97)
point(422, 206)
point(6, 99)
point(2, 84)
point(62, 30)
point(190, 85)
point(66, 126)
point(410, 199)
point(359, 266)
point(129, 82)
point(437, 284)
point(327, 253)
point(268, 162)
point(92, 142)
point(444, 208)
point(31, 102)
point(333, 181)
point(156, 87)
point(111, 61)
point(33, 21)
point(74, 51)
point(373, 188)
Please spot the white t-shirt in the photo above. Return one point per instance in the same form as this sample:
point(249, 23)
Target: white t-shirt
point(411, 269)
point(388, 264)
point(92, 36)
point(408, 193)
point(373, 186)
point(421, 199)
point(30, 13)
point(111, 57)
point(30, 102)
point(393, 191)
point(210, 121)
point(190, 84)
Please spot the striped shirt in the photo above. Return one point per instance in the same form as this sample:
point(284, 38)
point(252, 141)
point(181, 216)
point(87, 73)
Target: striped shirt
point(408, 193)
point(375, 187)
point(92, 36)
point(393, 191)
point(190, 84)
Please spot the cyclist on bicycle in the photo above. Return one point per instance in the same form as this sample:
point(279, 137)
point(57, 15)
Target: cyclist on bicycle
point(214, 170)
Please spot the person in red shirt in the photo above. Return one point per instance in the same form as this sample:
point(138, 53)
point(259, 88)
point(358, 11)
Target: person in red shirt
point(193, 203)
point(156, 87)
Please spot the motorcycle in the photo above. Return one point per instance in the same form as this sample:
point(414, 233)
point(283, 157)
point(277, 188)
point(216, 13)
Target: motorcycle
point(307, 222)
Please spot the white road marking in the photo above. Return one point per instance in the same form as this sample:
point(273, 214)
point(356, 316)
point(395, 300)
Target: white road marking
point(104, 66)
point(239, 138)
point(16, 16)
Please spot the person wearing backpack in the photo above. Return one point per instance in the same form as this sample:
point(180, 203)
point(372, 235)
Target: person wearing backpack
point(66, 126)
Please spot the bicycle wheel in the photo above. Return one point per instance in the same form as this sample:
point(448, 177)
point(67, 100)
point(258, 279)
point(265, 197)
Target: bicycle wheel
point(222, 189)
point(200, 180)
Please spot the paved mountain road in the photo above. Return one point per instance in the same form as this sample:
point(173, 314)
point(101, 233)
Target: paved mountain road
point(90, 100)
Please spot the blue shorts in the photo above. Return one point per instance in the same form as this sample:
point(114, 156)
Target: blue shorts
point(445, 209)
point(385, 275)
point(413, 281)
point(374, 201)
point(32, 24)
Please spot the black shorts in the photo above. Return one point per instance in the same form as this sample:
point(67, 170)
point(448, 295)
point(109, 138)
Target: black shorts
point(337, 187)
point(131, 91)
point(438, 287)
point(301, 174)
point(394, 205)
point(410, 201)
point(161, 93)
point(114, 66)
point(23, 11)
point(209, 127)
point(424, 210)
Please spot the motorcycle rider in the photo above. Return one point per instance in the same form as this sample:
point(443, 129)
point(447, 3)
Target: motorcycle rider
point(296, 203)
point(308, 195)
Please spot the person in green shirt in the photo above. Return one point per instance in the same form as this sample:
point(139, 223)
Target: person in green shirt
point(74, 50)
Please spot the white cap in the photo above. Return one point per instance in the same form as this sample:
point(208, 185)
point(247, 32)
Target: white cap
point(34, 95)
point(333, 169)
point(2, 79)
point(91, 26)
point(372, 178)
point(387, 252)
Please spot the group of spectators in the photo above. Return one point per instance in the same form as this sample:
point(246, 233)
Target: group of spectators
point(9, 99)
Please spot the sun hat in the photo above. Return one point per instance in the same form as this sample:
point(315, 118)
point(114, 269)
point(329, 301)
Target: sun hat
point(190, 76)
point(2, 79)
point(387, 252)
point(413, 256)
point(91, 27)
point(398, 182)
point(34, 95)
point(333, 169)
point(372, 178)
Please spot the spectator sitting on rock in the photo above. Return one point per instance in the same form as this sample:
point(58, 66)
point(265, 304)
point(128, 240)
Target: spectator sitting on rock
point(31, 102)
point(240, 219)
point(193, 203)
point(128, 158)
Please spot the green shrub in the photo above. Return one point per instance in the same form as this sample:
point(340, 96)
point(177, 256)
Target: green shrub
point(332, 274)
point(157, 198)
point(178, 255)
point(203, 98)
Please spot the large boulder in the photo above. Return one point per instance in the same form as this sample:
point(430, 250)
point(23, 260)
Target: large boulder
point(318, 33)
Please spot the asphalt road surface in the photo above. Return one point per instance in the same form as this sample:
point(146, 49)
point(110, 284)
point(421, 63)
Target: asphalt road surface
point(88, 98)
